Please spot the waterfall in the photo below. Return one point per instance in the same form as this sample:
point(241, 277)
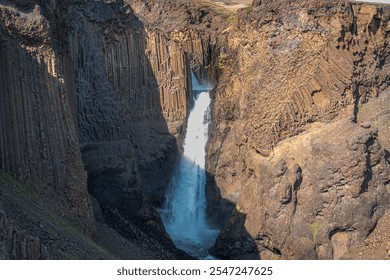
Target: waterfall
point(184, 213)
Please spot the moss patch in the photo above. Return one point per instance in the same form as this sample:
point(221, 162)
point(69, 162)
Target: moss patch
point(70, 229)
point(315, 229)
point(232, 19)
point(18, 185)
point(222, 60)
point(248, 9)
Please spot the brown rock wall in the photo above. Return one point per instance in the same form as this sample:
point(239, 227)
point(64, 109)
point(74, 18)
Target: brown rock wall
point(302, 68)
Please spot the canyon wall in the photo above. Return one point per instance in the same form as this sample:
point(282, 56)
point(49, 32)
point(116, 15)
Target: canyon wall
point(194, 26)
point(310, 177)
point(130, 107)
point(39, 138)
point(92, 96)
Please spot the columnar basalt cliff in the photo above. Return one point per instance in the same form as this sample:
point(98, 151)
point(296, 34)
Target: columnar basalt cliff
point(311, 179)
point(39, 139)
point(91, 77)
point(94, 97)
point(194, 26)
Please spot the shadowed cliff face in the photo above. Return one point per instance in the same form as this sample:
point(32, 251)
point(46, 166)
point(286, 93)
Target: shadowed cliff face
point(39, 141)
point(120, 117)
point(89, 76)
point(92, 78)
point(126, 144)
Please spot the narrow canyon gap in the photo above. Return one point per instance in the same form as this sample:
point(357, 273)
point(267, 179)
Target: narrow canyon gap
point(184, 213)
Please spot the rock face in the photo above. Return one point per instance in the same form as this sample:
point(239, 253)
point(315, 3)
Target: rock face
point(311, 175)
point(94, 97)
point(85, 84)
point(39, 138)
point(16, 245)
point(142, 96)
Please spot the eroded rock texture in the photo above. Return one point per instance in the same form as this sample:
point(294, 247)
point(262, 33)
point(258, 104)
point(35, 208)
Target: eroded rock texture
point(17, 245)
point(311, 175)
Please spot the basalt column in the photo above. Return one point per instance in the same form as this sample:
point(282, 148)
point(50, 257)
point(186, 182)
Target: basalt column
point(39, 141)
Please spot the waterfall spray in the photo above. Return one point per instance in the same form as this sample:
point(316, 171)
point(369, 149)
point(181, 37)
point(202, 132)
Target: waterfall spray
point(184, 214)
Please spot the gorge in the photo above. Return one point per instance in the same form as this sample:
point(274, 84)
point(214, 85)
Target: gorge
point(95, 101)
point(184, 214)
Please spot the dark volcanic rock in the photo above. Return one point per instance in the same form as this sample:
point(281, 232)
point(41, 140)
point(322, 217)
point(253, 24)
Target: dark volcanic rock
point(17, 245)
point(90, 74)
point(112, 177)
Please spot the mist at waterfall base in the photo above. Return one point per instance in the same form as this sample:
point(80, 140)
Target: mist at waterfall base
point(184, 213)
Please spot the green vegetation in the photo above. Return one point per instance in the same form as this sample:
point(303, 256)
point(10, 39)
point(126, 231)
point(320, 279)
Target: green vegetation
point(19, 186)
point(222, 60)
point(315, 229)
point(248, 9)
point(72, 230)
point(232, 19)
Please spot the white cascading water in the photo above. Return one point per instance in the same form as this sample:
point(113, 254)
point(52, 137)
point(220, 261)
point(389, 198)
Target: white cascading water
point(184, 214)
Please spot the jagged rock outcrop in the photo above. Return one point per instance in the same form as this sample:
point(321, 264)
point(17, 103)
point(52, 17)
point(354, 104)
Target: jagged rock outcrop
point(310, 177)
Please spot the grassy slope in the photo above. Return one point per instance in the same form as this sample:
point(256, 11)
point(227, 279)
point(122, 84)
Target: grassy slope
point(64, 241)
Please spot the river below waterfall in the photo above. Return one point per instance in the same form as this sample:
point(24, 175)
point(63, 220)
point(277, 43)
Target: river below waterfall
point(184, 213)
